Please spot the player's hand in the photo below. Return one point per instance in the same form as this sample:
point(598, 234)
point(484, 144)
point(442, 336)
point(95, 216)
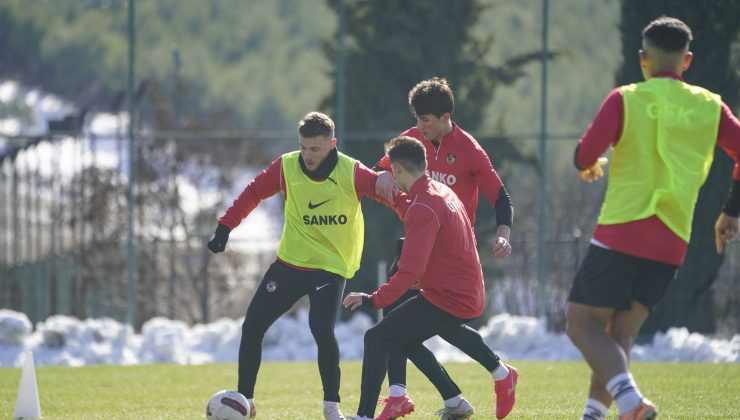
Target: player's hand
point(595, 172)
point(501, 247)
point(725, 230)
point(217, 243)
point(354, 300)
point(385, 186)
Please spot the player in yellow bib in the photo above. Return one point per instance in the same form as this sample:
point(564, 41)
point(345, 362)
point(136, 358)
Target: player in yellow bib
point(320, 248)
point(663, 132)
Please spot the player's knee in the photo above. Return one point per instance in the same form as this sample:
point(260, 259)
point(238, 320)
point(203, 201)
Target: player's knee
point(574, 328)
point(623, 338)
point(322, 332)
point(375, 339)
point(371, 336)
point(252, 329)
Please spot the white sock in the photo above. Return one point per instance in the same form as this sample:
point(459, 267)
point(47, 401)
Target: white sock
point(594, 410)
point(251, 402)
point(454, 401)
point(624, 391)
point(501, 372)
point(362, 418)
point(397, 390)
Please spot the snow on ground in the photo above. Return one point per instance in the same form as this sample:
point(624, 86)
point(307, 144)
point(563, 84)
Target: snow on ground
point(67, 341)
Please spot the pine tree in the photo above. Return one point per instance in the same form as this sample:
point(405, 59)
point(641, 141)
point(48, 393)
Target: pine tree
point(391, 46)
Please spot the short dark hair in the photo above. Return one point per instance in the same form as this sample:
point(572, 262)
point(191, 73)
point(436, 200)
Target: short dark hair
point(316, 124)
point(668, 34)
point(433, 96)
point(407, 152)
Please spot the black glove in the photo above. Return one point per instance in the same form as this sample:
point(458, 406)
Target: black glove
point(218, 240)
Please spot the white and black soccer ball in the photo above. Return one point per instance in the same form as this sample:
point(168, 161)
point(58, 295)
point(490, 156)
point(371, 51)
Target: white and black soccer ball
point(227, 405)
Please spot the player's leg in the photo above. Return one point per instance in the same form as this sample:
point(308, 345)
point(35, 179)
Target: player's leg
point(586, 327)
point(455, 406)
point(652, 282)
point(603, 286)
point(397, 361)
point(414, 321)
point(505, 376)
point(431, 318)
point(275, 295)
point(623, 328)
point(600, 288)
point(470, 342)
point(325, 298)
point(398, 401)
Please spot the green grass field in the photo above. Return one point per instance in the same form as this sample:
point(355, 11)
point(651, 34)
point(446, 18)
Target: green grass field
point(547, 390)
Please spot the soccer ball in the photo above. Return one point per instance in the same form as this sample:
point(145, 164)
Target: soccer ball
point(227, 405)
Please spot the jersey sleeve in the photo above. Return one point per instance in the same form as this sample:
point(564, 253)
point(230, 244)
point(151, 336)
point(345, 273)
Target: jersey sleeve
point(365, 179)
point(604, 131)
point(266, 184)
point(488, 180)
point(728, 138)
point(384, 164)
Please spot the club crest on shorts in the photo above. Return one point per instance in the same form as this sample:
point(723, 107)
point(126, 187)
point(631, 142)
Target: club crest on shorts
point(271, 286)
point(451, 158)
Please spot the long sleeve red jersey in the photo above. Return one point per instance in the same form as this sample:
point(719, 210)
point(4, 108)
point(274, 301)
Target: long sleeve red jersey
point(460, 163)
point(646, 238)
point(439, 253)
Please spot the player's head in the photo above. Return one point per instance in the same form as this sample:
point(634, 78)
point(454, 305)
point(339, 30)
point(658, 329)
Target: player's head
point(316, 138)
point(665, 47)
point(408, 160)
point(432, 103)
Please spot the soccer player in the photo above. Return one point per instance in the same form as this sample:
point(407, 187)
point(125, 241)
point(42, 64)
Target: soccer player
point(439, 254)
point(455, 159)
point(663, 132)
point(320, 247)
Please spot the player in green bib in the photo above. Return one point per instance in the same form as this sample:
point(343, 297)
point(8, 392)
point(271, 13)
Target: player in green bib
point(320, 248)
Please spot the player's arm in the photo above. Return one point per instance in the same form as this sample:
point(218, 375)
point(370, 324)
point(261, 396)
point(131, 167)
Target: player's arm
point(366, 184)
point(266, 184)
point(384, 164)
point(493, 189)
point(604, 131)
point(727, 226)
point(420, 228)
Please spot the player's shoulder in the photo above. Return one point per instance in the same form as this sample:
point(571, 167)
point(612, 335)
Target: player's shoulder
point(426, 206)
point(413, 132)
point(463, 138)
point(435, 194)
point(466, 143)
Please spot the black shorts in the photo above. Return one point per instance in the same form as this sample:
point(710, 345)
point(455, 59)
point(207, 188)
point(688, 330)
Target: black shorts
point(612, 279)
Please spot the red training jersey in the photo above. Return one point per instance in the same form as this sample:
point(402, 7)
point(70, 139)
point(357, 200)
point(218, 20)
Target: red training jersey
point(647, 238)
point(439, 253)
point(460, 163)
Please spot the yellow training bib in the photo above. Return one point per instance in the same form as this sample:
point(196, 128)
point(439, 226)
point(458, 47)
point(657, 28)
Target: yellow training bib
point(663, 155)
point(324, 227)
